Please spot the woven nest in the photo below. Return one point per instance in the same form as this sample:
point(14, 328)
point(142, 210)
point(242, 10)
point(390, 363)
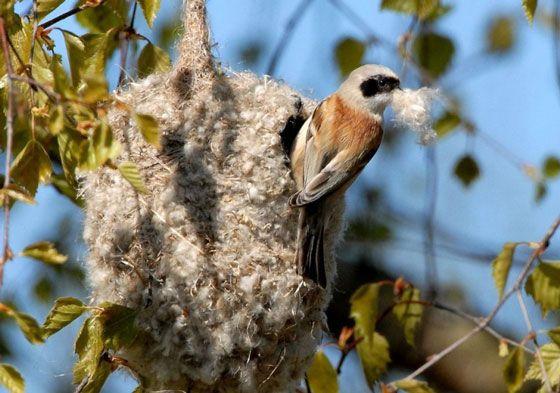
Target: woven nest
point(207, 256)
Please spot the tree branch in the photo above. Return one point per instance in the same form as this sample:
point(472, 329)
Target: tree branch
point(543, 245)
point(7, 253)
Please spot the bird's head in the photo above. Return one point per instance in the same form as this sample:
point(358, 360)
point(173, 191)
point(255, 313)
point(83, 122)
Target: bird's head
point(370, 87)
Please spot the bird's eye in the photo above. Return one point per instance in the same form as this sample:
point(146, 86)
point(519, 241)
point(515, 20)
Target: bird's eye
point(382, 82)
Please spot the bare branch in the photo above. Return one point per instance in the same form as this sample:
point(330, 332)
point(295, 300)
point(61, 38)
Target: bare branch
point(68, 14)
point(537, 252)
point(538, 353)
point(288, 31)
point(7, 253)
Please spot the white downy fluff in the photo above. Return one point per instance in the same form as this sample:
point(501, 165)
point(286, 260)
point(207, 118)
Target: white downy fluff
point(413, 110)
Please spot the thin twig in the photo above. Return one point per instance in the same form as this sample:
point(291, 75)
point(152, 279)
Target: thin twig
point(538, 353)
point(288, 31)
point(431, 276)
point(486, 321)
point(31, 55)
point(7, 254)
point(124, 37)
point(68, 14)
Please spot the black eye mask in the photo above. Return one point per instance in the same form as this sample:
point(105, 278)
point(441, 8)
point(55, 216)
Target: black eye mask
point(378, 84)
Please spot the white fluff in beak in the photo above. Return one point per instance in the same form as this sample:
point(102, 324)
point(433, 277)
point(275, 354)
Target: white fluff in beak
point(413, 109)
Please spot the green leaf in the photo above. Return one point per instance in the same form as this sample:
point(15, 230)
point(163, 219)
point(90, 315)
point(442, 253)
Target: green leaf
point(501, 266)
point(554, 335)
point(551, 358)
point(43, 290)
point(31, 167)
point(100, 148)
point(69, 147)
point(514, 369)
point(321, 375)
point(99, 19)
point(433, 52)
point(27, 324)
point(56, 120)
point(98, 377)
point(373, 348)
point(61, 82)
point(63, 186)
point(540, 191)
point(409, 314)
point(422, 8)
point(149, 128)
point(64, 311)
point(119, 328)
point(349, 53)
point(130, 172)
point(89, 348)
point(551, 167)
point(16, 193)
point(94, 89)
point(413, 386)
point(45, 7)
point(45, 252)
point(364, 307)
point(152, 60)
point(446, 123)
point(373, 351)
point(529, 7)
point(500, 35)
point(11, 379)
point(150, 9)
point(467, 170)
point(543, 284)
point(76, 54)
point(96, 51)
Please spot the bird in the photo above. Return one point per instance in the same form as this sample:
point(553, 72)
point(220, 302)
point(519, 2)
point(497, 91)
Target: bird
point(331, 149)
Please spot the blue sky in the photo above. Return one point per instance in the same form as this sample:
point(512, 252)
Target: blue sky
point(514, 99)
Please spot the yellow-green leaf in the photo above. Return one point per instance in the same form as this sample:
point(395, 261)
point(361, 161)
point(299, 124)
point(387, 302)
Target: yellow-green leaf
point(422, 8)
point(45, 7)
point(349, 53)
point(119, 328)
point(152, 60)
point(446, 123)
point(61, 82)
point(501, 266)
point(64, 311)
point(500, 35)
point(409, 314)
point(75, 48)
point(100, 148)
point(551, 358)
point(529, 7)
point(373, 348)
point(94, 89)
point(56, 120)
point(110, 14)
point(26, 323)
point(551, 167)
point(149, 128)
point(31, 167)
point(413, 386)
point(130, 172)
point(63, 186)
point(69, 147)
point(45, 252)
point(150, 9)
point(373, 351)
point(17, 193)
point(554, 335)
point(321, 375)
point(543, 284)
point(466, 170)
point(11, 379)
point(514, 370)
point(434, 52)
point(97, 379)
point(89, 347)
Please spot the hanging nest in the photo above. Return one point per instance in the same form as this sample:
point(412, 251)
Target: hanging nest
point(207, 255)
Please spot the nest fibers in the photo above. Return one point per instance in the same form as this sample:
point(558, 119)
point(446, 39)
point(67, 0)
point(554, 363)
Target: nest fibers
point(206, 257)
point(413, 110)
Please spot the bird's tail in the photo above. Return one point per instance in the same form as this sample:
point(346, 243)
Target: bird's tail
point(310, 256)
